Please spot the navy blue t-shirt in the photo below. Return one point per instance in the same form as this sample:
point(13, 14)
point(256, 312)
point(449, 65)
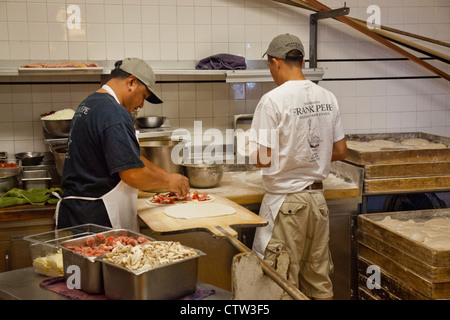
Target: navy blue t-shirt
point(102, 142)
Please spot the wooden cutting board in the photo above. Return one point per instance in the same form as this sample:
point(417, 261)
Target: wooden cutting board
point(161, 223)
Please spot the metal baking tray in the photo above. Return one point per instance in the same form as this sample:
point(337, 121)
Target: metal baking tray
point(91, 280)
point(43, 245)
point(166, 282)
point(36, 179)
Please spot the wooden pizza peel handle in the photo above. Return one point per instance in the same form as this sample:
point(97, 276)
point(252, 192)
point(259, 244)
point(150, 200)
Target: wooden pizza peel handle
point(269, 271)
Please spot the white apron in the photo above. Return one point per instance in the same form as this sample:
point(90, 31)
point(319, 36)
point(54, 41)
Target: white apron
point(270, 206)
point(120, 202)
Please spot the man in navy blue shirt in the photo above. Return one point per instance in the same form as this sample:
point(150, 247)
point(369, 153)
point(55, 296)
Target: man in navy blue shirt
point(103, 168)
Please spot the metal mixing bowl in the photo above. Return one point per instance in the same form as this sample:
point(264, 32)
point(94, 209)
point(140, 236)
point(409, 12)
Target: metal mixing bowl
point(159, 151)
point(59, 153)
point(57, 128)
point(150, 121)
point(30, 158)
point(8, 179)
point(203, 175)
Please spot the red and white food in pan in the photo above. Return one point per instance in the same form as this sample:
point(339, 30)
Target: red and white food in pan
point(91, 249)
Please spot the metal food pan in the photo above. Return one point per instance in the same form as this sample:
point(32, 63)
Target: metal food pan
point(36, 179)
point(91, 280)
point(166, 282)
point(47, 243)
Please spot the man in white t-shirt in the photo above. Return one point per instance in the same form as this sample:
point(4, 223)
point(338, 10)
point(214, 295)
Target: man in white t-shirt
point(297, 130)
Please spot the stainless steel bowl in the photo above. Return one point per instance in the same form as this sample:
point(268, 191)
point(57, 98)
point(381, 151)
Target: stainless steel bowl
point(8, 179)
point(57, 128)
point(60, 157)
point(30, 158)
point(150, 122)
point(159, 151)
point(203, 175)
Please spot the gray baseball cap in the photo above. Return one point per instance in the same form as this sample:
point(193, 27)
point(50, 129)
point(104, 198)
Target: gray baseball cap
point(282, 44)
point(141, 70)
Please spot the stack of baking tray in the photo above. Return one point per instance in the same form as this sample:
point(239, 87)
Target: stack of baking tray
point(400, 261)
point(402, 169)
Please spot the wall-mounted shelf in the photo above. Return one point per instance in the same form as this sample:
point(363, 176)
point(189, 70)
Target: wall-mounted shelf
point(172, 70)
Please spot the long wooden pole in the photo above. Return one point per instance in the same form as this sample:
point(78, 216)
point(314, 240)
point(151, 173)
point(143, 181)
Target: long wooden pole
point(317, 6)
point(414, 46)
point(302, 4)
point(409, 34)
point(432, 53)
point(268, 270)
point(378, 38)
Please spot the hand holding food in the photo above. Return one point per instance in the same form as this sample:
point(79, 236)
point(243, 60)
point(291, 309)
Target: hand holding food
point(178, 183)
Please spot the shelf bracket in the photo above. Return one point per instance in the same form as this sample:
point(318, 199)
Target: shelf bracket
point(313, 21)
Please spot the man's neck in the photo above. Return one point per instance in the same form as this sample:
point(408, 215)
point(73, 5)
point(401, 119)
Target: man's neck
point(116, 87)
point(292, 76)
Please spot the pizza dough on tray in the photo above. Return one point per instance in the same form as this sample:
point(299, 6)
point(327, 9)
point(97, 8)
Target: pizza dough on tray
point(423, 144)
point(414, 142)
point(431, 146)
point(378, 145)
point(198, 210)
point(434, 233)
point(383, 143)
point(360, 145)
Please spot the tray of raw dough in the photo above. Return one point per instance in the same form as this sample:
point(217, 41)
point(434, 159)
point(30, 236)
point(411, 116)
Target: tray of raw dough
point(412, 247)
point(187, 217)
point(401, 147)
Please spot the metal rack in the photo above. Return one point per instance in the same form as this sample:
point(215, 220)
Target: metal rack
point(313, 25)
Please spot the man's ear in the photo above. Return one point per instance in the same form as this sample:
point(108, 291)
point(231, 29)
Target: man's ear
point(278, 63)
point(132, 82)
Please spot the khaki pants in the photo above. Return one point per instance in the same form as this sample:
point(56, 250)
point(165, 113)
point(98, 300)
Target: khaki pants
point(302, 229)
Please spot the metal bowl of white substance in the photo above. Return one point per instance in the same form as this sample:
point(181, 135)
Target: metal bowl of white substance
point(57, 128)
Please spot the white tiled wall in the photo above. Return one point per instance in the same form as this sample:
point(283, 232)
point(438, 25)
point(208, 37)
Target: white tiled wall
point(193, 29)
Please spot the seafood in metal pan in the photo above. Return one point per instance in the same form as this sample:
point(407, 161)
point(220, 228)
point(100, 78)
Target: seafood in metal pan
point(148, 255)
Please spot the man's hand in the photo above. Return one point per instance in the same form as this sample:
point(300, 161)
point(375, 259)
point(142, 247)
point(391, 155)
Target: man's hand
point(262, 157)
point(178, 183)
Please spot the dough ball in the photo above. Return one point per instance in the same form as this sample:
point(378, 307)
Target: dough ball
point(414, 142)
point(418, 236)
point(383, 143)
point(431, 146)
point(360, 145)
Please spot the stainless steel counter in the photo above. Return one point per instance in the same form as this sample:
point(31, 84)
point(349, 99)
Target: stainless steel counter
point(23, 284)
